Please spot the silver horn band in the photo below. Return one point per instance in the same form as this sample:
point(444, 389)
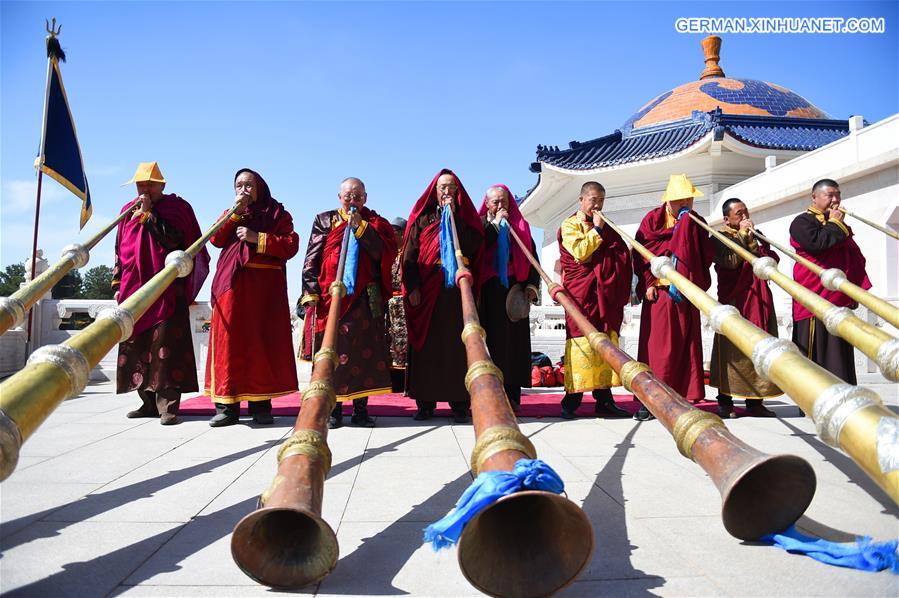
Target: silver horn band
point(122, 317)
point(69, 360)
point(832, 278)
point(659, 265)
point(763, 267)
point(719, 313)
point(78, 253)
point(834, 316)
point(182, 260)
point(835, 405)
point(769, 349)
point(15, 308)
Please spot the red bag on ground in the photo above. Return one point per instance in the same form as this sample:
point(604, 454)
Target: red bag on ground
point(536, 376)
point(548, 375)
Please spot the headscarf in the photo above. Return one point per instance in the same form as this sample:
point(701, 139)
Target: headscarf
point(262, 215)
point(418, 318)
point(520, 265)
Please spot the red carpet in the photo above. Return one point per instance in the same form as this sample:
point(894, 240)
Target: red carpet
point(396, 405)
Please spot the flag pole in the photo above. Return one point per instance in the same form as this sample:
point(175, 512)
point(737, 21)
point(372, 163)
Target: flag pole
point(37, 211)
point(53, 31)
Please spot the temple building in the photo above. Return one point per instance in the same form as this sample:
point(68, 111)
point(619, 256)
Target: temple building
point(732, 137)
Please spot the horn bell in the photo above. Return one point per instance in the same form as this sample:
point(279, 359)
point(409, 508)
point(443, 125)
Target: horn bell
point(767, 496)
point(284, 547)
point(530, 543)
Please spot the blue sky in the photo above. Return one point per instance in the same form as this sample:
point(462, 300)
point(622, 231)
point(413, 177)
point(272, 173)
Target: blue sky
point(309, 93)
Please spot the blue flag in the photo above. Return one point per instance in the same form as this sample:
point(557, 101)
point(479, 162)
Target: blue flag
point(60, 154)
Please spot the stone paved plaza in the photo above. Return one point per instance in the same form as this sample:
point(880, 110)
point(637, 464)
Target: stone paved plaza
point(101, 505)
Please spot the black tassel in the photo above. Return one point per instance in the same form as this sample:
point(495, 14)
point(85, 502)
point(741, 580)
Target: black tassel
point(54, 49)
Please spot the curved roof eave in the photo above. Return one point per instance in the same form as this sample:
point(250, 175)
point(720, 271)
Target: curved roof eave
point(696, 147)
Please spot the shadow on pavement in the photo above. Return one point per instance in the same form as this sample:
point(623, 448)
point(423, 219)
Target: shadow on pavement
point(613, 549)
point(848, 467)
point(100, 502)
point(370, 569)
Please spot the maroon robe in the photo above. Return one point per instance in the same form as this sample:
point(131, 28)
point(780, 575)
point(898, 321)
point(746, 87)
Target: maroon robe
point(159, 356)
point(829, 244)
point(670, 333)
point(436, 359)
point(363, 359)
point(601, 286)
point(508, 342)
point(141, 256)
point(731, 371)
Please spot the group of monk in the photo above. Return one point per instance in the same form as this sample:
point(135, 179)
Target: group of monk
point(400, 322)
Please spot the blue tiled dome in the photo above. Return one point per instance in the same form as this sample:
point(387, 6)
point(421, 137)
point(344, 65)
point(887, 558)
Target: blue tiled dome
point(732, 96)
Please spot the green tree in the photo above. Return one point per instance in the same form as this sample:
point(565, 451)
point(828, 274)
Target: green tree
point(11, 278)
point(69, 286)
point(97, 283)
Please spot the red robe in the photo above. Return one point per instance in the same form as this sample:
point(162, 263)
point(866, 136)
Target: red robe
point(670, 333)
point(426, 274)
point(251, 354)
point(828, 244)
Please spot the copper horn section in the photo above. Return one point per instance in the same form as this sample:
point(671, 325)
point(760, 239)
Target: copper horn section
point(530, 543)
point(286, 544)
point(761, 494)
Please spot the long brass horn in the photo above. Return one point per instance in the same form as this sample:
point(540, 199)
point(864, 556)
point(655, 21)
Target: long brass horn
point(882, 348)
point(882, 229)
point(285, 543)
point(56, 372)
point(76, 255)
point(835, 280)
point(530, 543)
point(760, 493)
point(847, 417)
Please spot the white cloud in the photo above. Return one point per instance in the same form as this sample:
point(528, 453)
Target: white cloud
point(19, 195)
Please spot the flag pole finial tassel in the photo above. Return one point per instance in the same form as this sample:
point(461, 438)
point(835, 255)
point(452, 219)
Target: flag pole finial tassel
point(54, 50)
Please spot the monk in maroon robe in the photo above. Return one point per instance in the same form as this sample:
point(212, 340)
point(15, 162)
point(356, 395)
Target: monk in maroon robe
point(505, 269)
point(596, 274)
point(250, 354)
point(820, 236)
point(363, 359)
point(437, 361)
point(732, 372)
point(670, 329)
point(158, 360)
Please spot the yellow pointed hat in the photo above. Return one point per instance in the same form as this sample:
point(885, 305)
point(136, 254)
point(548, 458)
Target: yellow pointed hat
point(680, 187)
point(146, 171)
